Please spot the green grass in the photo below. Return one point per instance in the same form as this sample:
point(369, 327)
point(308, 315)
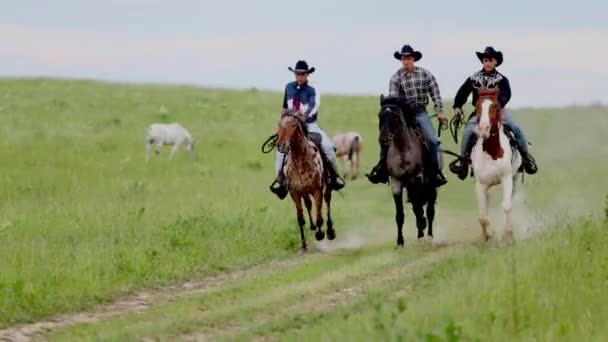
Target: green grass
point(83, 219)
point(551, 288)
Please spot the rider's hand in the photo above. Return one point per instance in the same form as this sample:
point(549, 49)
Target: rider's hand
point(458, 112)
point(441, 117)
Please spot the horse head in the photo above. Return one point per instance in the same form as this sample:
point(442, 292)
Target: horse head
point(396, 113)
point(291, 127)
point(488, 112)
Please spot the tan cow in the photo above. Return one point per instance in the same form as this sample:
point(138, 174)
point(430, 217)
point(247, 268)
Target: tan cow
point(349, 146)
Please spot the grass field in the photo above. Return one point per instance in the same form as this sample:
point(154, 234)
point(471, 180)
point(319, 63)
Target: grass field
point(84, 220)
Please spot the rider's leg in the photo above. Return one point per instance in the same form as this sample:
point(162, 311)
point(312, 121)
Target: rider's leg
point(279, 186)
point(468, 137)
point(529, 164)
point(432, 142)
point(379, 173)
point(329, 156)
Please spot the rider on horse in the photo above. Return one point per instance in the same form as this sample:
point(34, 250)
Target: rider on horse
point(488, 78)
point(302, 97)
point(416, 85)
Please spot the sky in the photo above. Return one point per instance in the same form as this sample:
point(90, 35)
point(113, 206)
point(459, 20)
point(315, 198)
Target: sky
point(555, 54)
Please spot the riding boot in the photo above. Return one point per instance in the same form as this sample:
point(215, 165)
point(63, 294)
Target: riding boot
point(440, 179)
point(528, 163)
point(334, 181)
point(460, 166)
point(279, 186)
point(464, 167)
point(379, 173)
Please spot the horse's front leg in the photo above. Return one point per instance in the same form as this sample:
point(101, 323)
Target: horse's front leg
point(482, 200)
point(331, 232)
point(308, 204)
point(297, 199)
point(318, 196)
point(397, 189)
point(507, 190)
point(174, 149)
point(148, 148)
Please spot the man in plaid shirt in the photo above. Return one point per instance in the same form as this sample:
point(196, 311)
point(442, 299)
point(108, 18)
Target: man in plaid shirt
point(416, 85)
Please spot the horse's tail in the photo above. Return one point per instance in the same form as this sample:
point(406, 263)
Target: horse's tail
point(355, 146)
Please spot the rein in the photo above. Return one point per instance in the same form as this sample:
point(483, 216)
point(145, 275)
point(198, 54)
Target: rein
point(271, 143)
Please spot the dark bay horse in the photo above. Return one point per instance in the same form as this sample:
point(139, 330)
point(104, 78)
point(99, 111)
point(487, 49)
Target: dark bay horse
point(303, 168)
point(407, 160)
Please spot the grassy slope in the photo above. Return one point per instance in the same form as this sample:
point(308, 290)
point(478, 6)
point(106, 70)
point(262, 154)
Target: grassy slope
point(553, 288)
point(84, 219)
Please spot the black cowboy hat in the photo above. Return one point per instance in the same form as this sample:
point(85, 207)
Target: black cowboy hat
point(489, 52)
point(301, 68)
point(407, 50)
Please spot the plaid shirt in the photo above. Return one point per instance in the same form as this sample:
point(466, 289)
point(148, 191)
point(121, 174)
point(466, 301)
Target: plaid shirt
point(416, 85)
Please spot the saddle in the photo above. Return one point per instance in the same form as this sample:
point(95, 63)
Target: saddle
point(316, 138)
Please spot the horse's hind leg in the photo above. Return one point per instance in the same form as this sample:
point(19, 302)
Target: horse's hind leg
point(355, 165)
point(318, 195)
point(430, 210)
point(331, 232)
point(415, 196)
point(399, 215)
point(308, 203)
point(300, 213)
point(482, 199)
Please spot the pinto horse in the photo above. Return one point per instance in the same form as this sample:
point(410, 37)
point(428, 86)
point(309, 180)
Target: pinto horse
point(303, 168)
point(406, 160)
point(494, 161)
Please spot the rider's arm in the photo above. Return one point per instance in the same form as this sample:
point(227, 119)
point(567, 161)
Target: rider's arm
point(463, 93)
point(314, 101)
point(285, 99)
point(394, 85)
point(435, 95)
point(504, 94)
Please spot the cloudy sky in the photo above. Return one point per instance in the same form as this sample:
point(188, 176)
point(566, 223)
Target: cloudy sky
point(554, 54)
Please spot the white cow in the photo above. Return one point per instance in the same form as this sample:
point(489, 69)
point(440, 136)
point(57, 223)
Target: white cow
point(168, 134)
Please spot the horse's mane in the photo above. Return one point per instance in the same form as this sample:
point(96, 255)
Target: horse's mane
point(295, 114)
point(406, 106)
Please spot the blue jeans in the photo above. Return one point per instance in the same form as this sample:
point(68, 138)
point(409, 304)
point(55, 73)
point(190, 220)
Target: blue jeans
point(508, 121)
point(432, 141)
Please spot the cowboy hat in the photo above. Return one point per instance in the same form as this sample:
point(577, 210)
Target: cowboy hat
point(301, 68)
point(407, 50)
point(489, 52)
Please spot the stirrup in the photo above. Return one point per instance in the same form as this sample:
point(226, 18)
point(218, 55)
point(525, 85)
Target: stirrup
point(529, 165)
point(279, 189)
point(376, 177)
point(440, 179)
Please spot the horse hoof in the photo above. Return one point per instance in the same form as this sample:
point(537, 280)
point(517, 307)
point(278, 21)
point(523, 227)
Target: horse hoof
point(312, 227)
point(319, 235)
point(400, 241)
point(331, 234)
point(421, 223)
point(303, 250)
point(508, 237)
